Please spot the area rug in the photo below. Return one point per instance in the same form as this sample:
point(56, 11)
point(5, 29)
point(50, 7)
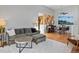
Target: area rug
point(49, 46)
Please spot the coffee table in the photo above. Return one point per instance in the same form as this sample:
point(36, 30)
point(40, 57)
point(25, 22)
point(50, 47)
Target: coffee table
point(22, 42)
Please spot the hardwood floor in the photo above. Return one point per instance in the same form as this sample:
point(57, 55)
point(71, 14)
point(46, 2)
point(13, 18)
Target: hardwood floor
point(61, 38)
point(58, 37)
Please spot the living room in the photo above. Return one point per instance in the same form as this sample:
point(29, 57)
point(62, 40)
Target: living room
point(25, 16)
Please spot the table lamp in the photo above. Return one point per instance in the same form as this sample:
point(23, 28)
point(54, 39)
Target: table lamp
point(2, 25)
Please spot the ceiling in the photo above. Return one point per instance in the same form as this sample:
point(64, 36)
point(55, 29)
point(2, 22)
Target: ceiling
point(58, 7)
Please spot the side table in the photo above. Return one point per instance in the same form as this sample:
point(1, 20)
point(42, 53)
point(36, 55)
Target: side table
point(22, 42)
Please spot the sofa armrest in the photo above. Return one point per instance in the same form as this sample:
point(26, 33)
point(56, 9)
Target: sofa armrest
point(10, 37)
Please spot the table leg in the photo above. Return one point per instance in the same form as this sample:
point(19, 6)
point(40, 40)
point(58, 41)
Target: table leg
point(31, 44)
point(77, 45)
point(67, 42)
point(2, 41)
point(20, 48)
point(19, 45)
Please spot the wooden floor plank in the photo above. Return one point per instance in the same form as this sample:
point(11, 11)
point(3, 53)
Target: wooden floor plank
point(61, 38)
point(58, 37)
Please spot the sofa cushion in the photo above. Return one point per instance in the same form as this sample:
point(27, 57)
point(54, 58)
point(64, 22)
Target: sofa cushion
point(20, 35)
point(12, 37)
point(17, 31)
point(37, 36)
point(28, 30)
point(22, 31)
point(28, 34)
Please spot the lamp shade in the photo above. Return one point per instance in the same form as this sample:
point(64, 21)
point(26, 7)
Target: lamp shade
point(2, 22)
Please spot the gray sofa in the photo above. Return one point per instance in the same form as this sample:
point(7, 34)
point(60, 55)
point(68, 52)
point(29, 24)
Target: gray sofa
point(37, 37)
point(26, 31)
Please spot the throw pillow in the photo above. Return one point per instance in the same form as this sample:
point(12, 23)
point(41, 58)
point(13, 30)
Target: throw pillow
point(33, 30)
point(11, 32)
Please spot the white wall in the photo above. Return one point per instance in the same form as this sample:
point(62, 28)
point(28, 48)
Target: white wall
point(22, 16)
point(72, 11)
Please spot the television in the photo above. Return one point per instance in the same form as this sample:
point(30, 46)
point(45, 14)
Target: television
point(67, 20)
